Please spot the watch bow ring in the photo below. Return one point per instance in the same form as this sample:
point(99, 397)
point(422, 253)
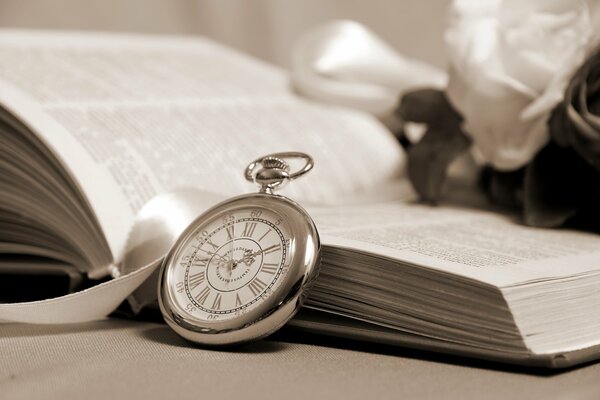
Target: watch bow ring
point(273, 172)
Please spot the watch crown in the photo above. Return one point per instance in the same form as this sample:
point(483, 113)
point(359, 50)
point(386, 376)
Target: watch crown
point(271, 178)
point(270, 162)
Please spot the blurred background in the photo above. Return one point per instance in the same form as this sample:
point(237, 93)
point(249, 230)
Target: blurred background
point(264, 28)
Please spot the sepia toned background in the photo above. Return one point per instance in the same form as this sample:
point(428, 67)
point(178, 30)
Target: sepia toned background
point(111, 358)
point(264, 28)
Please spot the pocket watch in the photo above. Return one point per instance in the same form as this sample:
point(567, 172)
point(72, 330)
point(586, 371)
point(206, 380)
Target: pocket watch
point(242, 269)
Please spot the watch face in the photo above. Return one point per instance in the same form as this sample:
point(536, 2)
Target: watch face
point(230, 264)
point(242, 269)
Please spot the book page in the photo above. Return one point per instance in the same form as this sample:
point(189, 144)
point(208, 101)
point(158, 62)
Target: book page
point(486, 246)
point(130, 117)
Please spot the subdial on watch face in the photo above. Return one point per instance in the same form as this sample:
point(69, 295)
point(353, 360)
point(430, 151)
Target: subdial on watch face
point(232, 264)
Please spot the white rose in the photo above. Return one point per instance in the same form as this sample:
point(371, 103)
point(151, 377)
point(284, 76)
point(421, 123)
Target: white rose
point(510, 63)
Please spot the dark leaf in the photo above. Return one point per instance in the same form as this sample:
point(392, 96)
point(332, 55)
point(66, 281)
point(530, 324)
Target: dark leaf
point(444, 140)
point(429, 106)
point(428, 160)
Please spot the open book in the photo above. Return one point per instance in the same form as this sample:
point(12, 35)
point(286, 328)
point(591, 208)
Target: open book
point(94, 126)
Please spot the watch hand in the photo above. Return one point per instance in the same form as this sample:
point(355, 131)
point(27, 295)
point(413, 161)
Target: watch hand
point(263, 250)
point(230, 267)
point(233, 263)
point(249, 259)
point(216, 256)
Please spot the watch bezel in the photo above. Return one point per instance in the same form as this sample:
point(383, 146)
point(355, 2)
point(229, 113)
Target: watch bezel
point(275, 310)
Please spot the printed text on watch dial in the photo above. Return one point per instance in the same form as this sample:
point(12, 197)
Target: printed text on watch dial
point(232, 264)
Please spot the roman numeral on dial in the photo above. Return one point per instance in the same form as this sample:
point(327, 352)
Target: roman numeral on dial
point(270, 268)
point(196, 279)
point(249, 229)
point(230, 232)
point(256, 286)
point(216, 305)
point(199, 262)
point(212, 244)
point(201, 297)
point(271, 249)
point(238, 301)
point(265, 234)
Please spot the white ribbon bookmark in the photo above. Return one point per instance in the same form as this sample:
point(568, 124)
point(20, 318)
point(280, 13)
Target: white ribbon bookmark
point(339, 62)
point(344, 63)
point(88, 305)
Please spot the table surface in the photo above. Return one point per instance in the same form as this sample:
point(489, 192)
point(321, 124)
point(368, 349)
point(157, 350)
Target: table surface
point(117, 358)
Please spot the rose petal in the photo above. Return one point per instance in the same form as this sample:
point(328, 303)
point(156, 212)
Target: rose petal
point(506, 140)
point(510, 64)
point(577, 119)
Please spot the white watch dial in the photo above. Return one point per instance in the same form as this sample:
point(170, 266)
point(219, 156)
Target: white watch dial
point(231, 264)
point(243, 268)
